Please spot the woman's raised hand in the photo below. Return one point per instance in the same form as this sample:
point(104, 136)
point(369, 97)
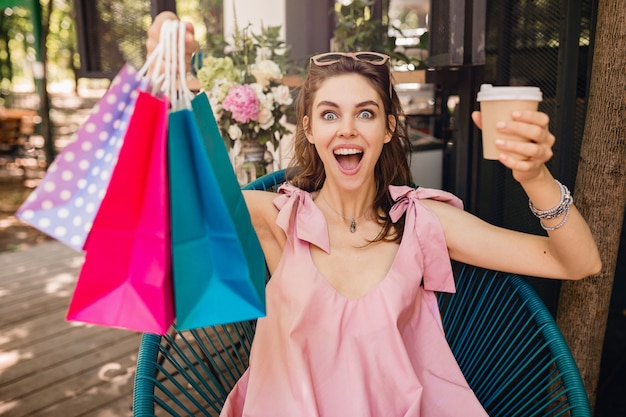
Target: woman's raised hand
point(155, 31)
point(525, 158)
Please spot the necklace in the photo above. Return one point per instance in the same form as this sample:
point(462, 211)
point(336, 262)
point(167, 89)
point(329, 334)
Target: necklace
point(351, 219)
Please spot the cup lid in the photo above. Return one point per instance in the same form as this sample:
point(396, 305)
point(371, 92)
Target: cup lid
point(490, 93)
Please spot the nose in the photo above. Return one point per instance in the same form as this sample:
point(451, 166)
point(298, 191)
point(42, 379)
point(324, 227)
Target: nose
point(347, 128)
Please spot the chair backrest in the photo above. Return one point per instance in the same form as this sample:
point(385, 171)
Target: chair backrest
point(509, 347)
point(503, 337)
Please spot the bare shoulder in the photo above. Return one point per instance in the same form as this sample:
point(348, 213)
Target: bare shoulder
point(474, 241)
point(260, 197)
point(455, 221)
point(261, 206)
point(442, 209)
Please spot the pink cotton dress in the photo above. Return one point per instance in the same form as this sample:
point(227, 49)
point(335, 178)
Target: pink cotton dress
point(318, 353)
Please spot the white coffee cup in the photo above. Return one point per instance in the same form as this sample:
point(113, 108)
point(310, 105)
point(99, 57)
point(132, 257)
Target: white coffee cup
point(497, 105)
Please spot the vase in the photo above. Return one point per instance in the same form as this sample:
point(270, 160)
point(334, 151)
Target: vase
point(253, 161)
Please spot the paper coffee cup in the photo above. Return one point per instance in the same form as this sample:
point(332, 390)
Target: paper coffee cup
point(496, 105)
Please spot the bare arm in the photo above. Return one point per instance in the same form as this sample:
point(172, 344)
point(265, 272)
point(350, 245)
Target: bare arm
point(476, 242)
point(568, 252)
point(263, 214)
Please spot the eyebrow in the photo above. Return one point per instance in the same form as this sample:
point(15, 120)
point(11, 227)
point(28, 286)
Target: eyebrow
point(361, 104)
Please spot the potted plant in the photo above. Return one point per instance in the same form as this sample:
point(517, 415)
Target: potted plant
point(249, 100)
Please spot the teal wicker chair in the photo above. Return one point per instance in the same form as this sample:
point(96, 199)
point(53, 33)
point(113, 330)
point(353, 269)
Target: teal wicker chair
point(503, 337)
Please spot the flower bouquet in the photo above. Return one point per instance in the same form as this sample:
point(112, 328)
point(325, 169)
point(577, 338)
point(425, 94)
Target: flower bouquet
point(244, 87)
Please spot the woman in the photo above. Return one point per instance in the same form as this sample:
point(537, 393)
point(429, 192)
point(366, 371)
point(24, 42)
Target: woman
point(352, 325)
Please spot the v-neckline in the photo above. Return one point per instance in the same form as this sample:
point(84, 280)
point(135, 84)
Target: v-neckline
point(374, 288)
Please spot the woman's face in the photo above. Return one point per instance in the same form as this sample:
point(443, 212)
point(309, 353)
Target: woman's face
point(348, 127)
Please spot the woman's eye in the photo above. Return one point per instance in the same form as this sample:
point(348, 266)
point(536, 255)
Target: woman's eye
point(329, 116)
point(366, 114)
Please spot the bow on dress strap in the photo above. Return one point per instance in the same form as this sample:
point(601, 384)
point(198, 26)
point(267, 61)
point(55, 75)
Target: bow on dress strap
point(296, 205)
point(423, 223)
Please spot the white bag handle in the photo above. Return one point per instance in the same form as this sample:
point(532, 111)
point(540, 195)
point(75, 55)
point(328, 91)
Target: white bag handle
point(185, 92)
point(169, 74)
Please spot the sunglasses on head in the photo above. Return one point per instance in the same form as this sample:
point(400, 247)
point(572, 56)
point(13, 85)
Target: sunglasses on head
point(330, 58)
point(373, 58)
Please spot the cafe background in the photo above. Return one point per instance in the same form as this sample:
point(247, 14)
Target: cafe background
point(546, 43)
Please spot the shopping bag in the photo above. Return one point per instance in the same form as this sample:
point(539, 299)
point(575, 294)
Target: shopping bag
point(66, 201)
point(125, 280)
point(218, 265)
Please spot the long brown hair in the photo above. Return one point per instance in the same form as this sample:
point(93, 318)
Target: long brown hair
point(306, 170)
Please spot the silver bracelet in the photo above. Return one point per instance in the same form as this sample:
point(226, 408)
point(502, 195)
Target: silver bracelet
point(559, 209)
point(561, 223)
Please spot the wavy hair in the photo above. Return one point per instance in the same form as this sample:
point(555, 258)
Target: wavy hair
point(306, 170)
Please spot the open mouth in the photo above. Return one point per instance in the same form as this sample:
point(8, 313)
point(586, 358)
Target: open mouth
point(348, 158)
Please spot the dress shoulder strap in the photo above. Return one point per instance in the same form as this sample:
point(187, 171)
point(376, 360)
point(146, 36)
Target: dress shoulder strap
point(299, 216)
point(422, 226)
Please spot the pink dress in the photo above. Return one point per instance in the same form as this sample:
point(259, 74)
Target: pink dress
point(318, 353)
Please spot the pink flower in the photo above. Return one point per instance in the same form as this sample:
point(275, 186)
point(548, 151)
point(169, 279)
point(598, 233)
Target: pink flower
point(243, 103)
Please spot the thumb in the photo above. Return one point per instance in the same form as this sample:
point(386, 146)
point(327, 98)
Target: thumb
point(477, 118)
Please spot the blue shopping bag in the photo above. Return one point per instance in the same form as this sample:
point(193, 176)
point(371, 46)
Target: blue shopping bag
point(218, 266)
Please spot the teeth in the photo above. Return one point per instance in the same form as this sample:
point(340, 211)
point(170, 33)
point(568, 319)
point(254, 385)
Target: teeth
point(345, 151)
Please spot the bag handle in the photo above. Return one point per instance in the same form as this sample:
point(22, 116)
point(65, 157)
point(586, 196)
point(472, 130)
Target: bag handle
point(157, 77)
point(185, 92)
point(169, 73)
point(175, 82)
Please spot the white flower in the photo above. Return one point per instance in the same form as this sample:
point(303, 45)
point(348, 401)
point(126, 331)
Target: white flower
point(258, 89)
point(265, 100)
point(263, 53)
point(234, 132)
point(222, 74)
point(282, 95)
point(220, 89)
point(264, 71)
point(216, 106)
point(266, 118)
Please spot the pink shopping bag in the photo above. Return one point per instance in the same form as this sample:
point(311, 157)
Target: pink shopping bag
point(66, 201)
point(125, 281)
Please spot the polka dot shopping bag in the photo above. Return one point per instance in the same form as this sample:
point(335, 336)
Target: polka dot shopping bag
point(66, 201)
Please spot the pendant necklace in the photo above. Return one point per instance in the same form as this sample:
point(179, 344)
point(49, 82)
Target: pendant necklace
point(351, 219)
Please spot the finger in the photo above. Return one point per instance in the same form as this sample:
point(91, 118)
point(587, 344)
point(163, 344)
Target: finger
point(528, 132)
point(517, 158)
point(163, 16)
point(151, 44)
point(525, 151)
point(519, 168)
point(190, 40)
point(155, 28)
point(477, 118)
point(523, 130)
point(154, 31)
point(189, 31)
point(531, 117)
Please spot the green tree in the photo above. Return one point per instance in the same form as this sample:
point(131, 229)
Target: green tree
point(16, 44)
point(61, 40)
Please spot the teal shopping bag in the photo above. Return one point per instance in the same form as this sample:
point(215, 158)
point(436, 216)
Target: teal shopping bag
point(218, 265)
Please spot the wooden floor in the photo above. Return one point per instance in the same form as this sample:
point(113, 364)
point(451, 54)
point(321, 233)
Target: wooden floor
point(49, 366)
